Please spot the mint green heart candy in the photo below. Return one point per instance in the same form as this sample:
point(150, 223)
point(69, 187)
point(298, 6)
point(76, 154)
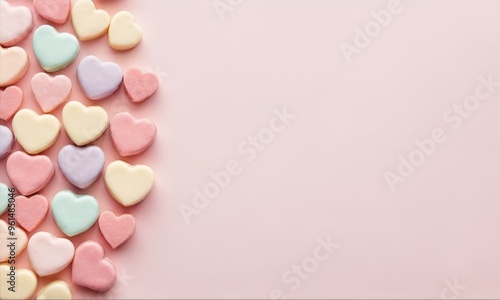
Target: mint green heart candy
point(74, 213)
point(54, 50)
point(4, 197)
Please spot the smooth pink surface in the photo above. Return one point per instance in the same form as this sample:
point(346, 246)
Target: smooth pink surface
point(10, 100)
point(116, 229)
point(56, 11)
point(131, 135)
point(323, 175)
point(29, 173)
point(140, 86)
point(91, 269)
point(31, 211)
point(50, 92)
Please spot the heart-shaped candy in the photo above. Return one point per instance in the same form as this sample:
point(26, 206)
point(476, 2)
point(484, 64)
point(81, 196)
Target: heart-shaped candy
point(130, 135)
point(54, 50)
point(98, 79)
point(22, 287)
point(4, 197)
point(10, 101)
point(89, 23)
point(14, 63)
point(6, 141)
point(34, 132)
point(30, 212)
point(29, 174)
point(16, 24)
point(7, 246)
point(91, 269)
point(56, 11)
point(49, 254)
point(116, 230)
point(58, 289)
point(140, 86)
point(81, 165)
point(84, 124)
point(123, 33)
point(74, 213)
point(50, 92)
point(128, 184)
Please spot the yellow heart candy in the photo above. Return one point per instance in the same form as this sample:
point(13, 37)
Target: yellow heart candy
point(84, 124)
point(123, 33)
point(58, 289)
point(89, 22)
point(17, 283)
point(128, 184)
point(14, 62)
point(35, 132)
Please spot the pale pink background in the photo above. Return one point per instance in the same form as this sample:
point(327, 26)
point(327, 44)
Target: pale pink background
point(324, 174)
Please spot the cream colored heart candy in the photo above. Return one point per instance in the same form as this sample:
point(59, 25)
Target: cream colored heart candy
point(56, 290)
point(128, 184)
point(35, 132)
point(124, 33)
point(84, 124)
point(8, 252)
point(16, 283)
point(89, 23)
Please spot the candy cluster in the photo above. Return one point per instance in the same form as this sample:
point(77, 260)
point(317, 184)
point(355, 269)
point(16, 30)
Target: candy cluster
point(81, 163)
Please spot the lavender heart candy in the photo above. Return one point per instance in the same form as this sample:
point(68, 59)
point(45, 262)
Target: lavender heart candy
point(6, 141)
point(81, 165)
point(98, 79)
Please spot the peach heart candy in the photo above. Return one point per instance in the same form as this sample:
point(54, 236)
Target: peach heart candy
point(56, 11)
point(91, 269)
point(140, 86)
point(50, 92)
point(14, 63)
point(28, 173)
point(30, 212)
point(130, 135)
point(116, 230)
point(10, 100)
point(21, 241)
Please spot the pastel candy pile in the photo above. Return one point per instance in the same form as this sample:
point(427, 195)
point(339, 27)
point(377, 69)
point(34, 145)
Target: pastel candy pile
point(80, 163)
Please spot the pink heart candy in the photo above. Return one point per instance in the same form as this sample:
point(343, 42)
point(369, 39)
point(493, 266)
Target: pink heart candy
point(29, 173)
point(140, 86)
point(50, 92)
point(130, 135)
point(10, 101)
point(30, 212)
point(56, 11)
point(91, 269)
point(116, 230)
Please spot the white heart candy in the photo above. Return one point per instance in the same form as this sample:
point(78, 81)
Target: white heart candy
point(123, 33)
point(84, 124)
point(58, 289)
point(88, 22)
point(7, 249)
point(48, 254)
point(35, 132)
point(23, 287)
point(128, 184)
